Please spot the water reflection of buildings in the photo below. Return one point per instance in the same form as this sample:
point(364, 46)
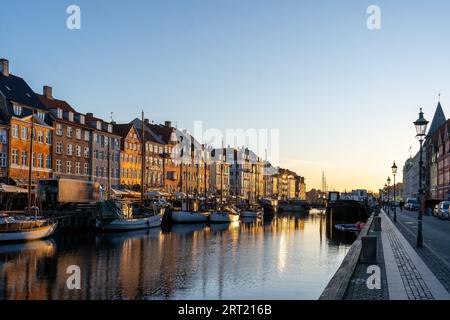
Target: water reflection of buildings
point(194, 262)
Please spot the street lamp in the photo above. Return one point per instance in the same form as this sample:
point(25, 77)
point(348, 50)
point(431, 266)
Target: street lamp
point(389, 198)
point(385, 194)
point(421, 129)
point(394, 172)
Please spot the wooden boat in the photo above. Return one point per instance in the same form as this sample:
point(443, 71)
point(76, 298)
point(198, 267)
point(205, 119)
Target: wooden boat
point(129, 224)
point(251, 213)
point(122, 216)
point(189, 216)
point(25, 229)
point(223, 217)
point(290, 206)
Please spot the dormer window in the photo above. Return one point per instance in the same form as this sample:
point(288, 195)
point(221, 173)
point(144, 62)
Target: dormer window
point(17, 110)
point(109, 128)
point(82, 119)
point(59, 113)
point(71, 116)
point(41, 115)
point(99, 125)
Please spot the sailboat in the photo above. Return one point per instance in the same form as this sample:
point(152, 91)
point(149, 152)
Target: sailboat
point(189, 208)
point(221, 215)
point(253, 211)
point(25, 228)
point(121, 216)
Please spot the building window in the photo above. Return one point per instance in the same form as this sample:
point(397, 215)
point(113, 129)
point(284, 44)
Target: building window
point(69, 132)
point(48, 137)
point(77, 168)
point(59, 147)
point(99, 125)
point(41, 115)
point(33, 159)
point(40, 137)
point(48, 161)
point(3, 136)
point(3, 158)
point(78, 150)
point(40, 160)
point(96, 171)
point(23, 158)
point(14, 156)
point(59, 131)
point(15, 131)
point(78, 133)
point(24, 133)
point(86, 169)
point(69, 149)
point(86, 136)
point(86, 152)
point(58, 166)
point(60, 113)
point(70, 116)
point(17, 110)
point(82, 119)
point(69, 167)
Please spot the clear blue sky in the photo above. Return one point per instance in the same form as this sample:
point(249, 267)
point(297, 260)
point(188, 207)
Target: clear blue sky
point(344, 97)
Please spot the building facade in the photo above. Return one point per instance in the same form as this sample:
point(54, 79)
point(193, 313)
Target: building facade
point(130, 156)
point(104, 143)
point(21, 110)
point(72, 139)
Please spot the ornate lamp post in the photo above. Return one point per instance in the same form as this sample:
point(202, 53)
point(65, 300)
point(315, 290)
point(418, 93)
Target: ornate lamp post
point(389, 196)
point(394, 172)
point(421, 129)
point(385, 194)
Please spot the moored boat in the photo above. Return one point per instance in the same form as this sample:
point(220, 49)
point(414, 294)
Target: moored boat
point(223, 217)
point(129, 224)
point(25, 229)
point(251, 213)
point(189, 216)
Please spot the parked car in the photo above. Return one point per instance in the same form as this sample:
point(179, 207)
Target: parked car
point(412, 204)
point(443, 212)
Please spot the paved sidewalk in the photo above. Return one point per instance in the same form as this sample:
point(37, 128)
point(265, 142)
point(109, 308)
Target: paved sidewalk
point(408, 276)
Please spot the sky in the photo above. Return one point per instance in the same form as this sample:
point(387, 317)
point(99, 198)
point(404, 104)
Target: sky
point(342, 96)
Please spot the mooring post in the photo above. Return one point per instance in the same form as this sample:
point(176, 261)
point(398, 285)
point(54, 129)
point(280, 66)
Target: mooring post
point(369, 249)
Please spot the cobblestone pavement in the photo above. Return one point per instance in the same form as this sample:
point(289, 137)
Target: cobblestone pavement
point(431, 253)
point(357, 289)
point(416, 288)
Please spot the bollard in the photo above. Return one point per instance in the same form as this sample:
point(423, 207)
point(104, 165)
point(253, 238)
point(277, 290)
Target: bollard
point(376, 223)
point(369, 249)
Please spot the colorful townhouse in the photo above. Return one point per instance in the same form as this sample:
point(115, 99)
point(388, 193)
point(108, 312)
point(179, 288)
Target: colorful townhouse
point(72, 139)
point(27, 118)
point(130, 156)
point(105, 152)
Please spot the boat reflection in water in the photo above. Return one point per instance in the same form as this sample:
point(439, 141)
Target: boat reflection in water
point(285, 257)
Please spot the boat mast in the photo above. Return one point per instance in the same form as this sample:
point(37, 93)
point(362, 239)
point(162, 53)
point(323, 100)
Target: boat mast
point(221, 178)
point(235, 176)
point(143, 164)
point(30, 170)
point(204, 171)
point(109, 166)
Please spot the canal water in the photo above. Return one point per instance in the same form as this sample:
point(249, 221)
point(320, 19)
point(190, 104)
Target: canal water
point(285, 256)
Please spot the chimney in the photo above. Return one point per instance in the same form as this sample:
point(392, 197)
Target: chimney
point(48, 92)
point(146, 121)
point(90, 114)
point(168, 124)
point(4, 67)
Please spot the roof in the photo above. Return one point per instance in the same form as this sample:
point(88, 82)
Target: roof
point(438, 120)
point(16, 89)
point(55, 104)
point(122, 129)
point(88, 118)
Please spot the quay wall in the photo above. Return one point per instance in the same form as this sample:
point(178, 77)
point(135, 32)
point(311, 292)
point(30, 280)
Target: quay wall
point(336, 288)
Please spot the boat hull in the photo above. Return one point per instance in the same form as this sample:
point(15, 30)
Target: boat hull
point(223, 217)
point(28, 234)
point(130, 224)
point(251, 214)
point(189, 217)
